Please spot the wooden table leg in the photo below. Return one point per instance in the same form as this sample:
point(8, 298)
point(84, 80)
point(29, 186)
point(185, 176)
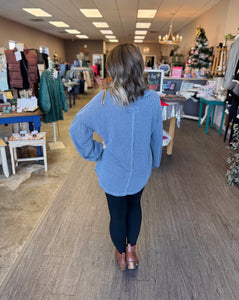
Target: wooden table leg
point(172, 124)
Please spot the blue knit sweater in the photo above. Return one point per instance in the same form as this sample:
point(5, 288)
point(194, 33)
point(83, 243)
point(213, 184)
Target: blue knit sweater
point(133, 138)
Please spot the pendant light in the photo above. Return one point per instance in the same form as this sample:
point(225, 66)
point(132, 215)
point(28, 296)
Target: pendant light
point(170, 39)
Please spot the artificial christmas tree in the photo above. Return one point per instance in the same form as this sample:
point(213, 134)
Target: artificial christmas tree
point(201, 55)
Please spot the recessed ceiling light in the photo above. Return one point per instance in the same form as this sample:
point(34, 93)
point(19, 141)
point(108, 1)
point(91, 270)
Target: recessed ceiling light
point(138, 41)
point(110, 36)
point(82, 36)
point(139, 37)
point(146, 13)
point(72, 31)
point(59, 24)
point(37, 12)
point(140, 32)
point(114, 41)
point(106, 31)
point(91, 13)
point(143, 25)
point(101, 24)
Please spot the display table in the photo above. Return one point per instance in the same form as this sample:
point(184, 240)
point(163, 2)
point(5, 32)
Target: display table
point(211, 102)
point(33, 118)
point(13, 144)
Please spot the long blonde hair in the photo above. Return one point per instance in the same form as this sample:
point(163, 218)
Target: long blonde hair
point(126, 67)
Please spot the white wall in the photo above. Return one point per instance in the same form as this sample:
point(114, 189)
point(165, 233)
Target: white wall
point(213, 21)
point(220, 20)
point(232, 21)
point(32, 38)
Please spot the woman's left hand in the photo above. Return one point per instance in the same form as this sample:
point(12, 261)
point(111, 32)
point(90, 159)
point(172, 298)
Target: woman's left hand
point(103, 145)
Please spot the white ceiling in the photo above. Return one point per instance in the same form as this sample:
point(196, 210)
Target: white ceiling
point(121, 15)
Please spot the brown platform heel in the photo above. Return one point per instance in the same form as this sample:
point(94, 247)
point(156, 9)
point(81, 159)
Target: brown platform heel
point(131, 257)
point(121, 260)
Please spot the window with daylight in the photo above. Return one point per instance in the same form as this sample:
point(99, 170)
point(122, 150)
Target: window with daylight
point(12, 44)
point(44, 50)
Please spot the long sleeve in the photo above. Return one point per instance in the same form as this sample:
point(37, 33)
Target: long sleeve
point(82, 137)
point(157, 139)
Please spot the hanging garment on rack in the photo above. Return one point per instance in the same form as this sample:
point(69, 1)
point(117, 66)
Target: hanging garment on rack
point(95, 69)
point(232, 60)
point(62, 70)
point(31, 58)
point(15, 79)
point(3, 71)
point(45, 59)
point(233, 112)
point(22, 74)
point(52, 100)
point(87, 78)
point(233, 100)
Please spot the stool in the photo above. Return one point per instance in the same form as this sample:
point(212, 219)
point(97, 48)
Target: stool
point(3, 158)
point(13, 144)
point(214, 103)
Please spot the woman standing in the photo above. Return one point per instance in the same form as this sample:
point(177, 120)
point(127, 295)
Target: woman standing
point(127, 115)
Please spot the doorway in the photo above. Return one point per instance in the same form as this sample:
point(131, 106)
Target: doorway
point(149, 61)
point(98, 61)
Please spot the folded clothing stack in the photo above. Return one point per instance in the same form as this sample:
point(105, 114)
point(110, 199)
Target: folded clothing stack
point(173, 98)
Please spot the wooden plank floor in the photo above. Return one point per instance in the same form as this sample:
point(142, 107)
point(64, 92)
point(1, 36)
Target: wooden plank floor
point(188, 245)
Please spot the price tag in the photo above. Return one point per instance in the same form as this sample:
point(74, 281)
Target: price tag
point(18, 55)
point(55, 74)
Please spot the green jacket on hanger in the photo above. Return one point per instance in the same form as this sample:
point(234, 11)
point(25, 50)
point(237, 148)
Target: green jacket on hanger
point(52, 99)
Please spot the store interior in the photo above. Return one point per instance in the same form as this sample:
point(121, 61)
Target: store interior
point(54, 239)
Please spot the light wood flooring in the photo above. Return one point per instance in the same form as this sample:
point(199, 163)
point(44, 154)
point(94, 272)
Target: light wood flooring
point(188, 245)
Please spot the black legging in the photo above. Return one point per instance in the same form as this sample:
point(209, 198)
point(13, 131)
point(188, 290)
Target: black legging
point(125, 219)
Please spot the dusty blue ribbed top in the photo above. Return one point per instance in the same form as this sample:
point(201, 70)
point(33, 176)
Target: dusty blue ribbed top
point(133, 138)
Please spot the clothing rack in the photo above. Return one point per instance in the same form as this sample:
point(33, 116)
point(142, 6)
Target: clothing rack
point(55, 144)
